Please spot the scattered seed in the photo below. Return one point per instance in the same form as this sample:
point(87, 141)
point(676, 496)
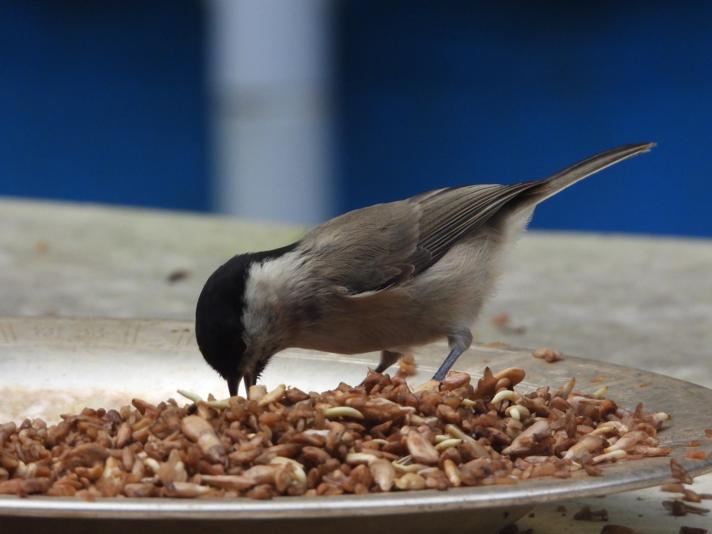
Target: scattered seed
point(525, 441)
point(696, 455)
point(193, 397)
point(177, 275)
point(186, 490)
point(503, 323)
point(452, 472)
point(410, 481)
point(407, 366)
point(679, 472)
point(610, 427)
point(514, 374)
point(273, 396)
point(383, 473)
point(600, 392)
point(446, 444)
point(503, 395)
point(586, 514)
point(421, 449)
point(198, 429)
point(342, 411)
point(691, 496)
point(673, 488)
point(518, 412)
point(616, 529)
point(223, 404)
point(228, 482)
point(692, 530)
point(360, 458)
point(609, 456)
point(627, 441)
point(679, 508)
point(547, 354)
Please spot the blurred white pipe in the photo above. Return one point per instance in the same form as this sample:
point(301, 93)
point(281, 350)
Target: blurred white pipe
point(271, 114)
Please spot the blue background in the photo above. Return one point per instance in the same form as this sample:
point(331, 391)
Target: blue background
point(445, 93)
point(104, 101)
point(107, 101)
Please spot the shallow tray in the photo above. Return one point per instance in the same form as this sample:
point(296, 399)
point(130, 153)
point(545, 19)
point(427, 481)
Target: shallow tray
point(50, 366)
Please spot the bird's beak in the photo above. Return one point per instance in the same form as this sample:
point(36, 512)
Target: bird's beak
point(250, 380)
point(232, 384)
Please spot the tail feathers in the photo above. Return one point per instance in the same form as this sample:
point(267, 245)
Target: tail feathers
point(578, 171)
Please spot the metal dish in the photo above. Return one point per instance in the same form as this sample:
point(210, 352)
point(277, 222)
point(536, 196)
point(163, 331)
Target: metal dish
point(50, 366)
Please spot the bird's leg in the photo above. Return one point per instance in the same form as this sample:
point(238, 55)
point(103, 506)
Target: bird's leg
point(388, 358)
point(459, 341)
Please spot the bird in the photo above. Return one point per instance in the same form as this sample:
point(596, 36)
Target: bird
point(389, 277)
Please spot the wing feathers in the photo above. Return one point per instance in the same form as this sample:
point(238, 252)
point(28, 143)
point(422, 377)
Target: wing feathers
point(446, 220)
point(386, 244)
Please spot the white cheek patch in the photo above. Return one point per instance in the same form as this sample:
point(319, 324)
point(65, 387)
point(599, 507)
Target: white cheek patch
point(268, 283)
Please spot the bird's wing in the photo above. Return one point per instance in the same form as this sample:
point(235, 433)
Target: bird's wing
point(450, 214)
point(383, 245)
point(367, 249)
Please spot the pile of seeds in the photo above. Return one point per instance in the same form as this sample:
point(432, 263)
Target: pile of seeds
point(376, 437)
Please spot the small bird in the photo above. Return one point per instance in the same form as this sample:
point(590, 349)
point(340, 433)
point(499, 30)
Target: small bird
point(388, 277)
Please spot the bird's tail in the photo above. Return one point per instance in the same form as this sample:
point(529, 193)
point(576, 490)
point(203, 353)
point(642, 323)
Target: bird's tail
point(578, 171)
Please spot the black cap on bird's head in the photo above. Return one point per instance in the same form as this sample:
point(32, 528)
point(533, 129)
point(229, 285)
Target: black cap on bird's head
point(218, 320)
point(219, 327)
